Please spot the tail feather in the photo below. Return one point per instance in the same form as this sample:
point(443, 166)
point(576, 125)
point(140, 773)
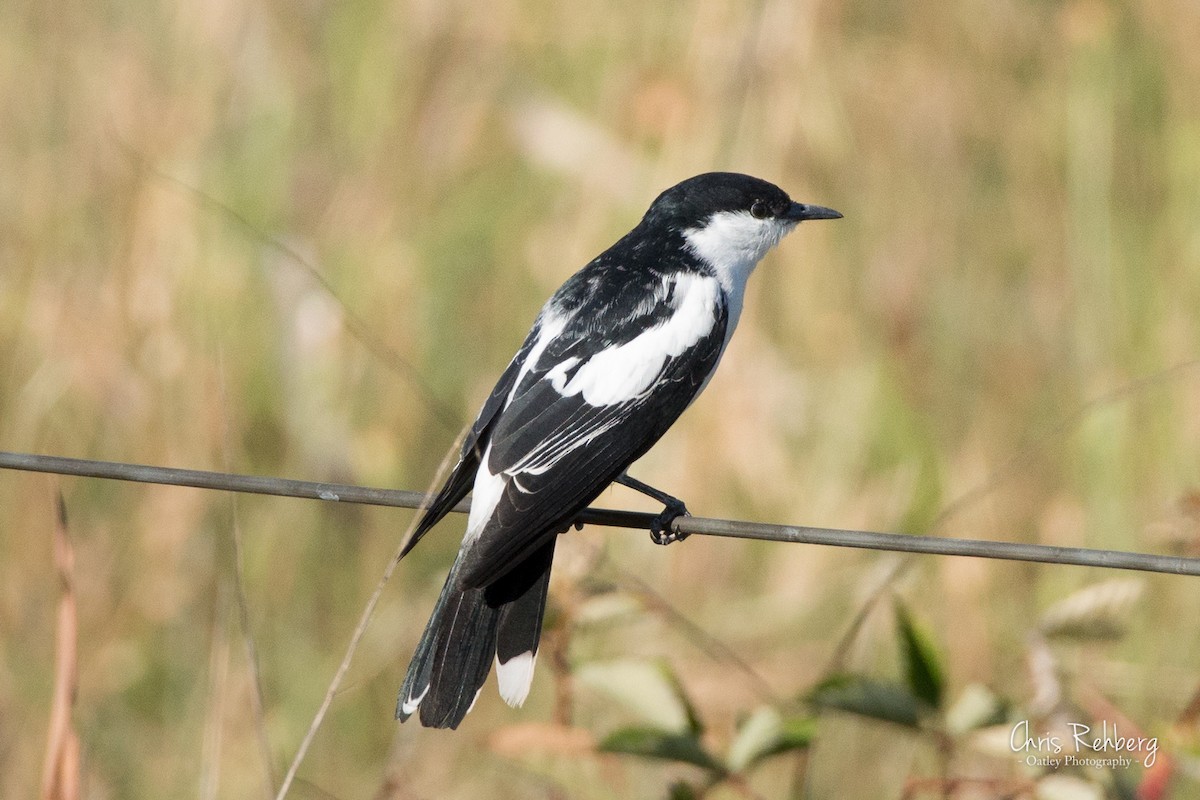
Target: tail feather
point(468, 628)
point(462, 659)
point(520, 624)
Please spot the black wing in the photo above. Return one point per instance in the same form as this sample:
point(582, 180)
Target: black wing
point(463, 475)
point(555, 451)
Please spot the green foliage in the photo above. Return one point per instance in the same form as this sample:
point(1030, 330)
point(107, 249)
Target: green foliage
point(911, 703)
point(767, 732)
point(764, 733)
point(660, 744)
point(649, 689)
point(682, 790)
point(975, 708)
point(878, 700)
point(923, 671)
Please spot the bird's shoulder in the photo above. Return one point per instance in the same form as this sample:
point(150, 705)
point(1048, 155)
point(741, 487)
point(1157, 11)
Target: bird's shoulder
point(637, 284)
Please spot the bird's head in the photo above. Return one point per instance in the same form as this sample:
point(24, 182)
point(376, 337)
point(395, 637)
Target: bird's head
point(730, 220)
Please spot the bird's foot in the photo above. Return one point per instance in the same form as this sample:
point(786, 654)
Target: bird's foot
point(661, 527)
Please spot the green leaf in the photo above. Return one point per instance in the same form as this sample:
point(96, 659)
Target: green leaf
point(665, 745)
point(646, 688)
point(797, 734)
point(922, 669)
point(694, 723)
point(977, 707)
point(766, 733)
point(681, 790)
point(858, 694)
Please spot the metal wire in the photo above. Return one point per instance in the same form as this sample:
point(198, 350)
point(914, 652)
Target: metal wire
point(738, 529)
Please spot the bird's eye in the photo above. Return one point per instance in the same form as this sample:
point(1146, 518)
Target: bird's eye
point(760, 209)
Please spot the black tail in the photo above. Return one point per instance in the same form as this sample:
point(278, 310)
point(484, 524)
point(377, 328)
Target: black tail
point(470, 627)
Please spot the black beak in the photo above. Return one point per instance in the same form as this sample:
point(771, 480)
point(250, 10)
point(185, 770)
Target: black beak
point(800, 211)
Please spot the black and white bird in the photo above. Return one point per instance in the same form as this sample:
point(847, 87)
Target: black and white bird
point(614, 357)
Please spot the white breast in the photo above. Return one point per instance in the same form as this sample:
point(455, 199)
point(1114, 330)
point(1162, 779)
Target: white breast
point(732, 243)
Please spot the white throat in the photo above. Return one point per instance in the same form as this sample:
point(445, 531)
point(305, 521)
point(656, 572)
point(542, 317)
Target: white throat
point(732, 243)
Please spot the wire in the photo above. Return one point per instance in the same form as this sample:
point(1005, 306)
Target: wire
point(738, 529)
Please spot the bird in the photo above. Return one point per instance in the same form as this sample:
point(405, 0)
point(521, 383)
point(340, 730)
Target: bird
point(615, 355)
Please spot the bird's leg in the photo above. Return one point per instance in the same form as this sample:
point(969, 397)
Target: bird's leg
point(660, 528)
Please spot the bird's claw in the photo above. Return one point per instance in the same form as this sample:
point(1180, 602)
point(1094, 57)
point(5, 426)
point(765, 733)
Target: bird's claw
point(661, 527)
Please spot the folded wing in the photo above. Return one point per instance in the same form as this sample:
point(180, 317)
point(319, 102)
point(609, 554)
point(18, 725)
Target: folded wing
point(581, 411)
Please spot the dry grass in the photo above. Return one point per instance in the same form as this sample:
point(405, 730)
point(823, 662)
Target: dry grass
point(1021, 184)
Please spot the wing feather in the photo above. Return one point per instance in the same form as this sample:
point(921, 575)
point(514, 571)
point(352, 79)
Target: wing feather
point(463, 475)
point(559, 451)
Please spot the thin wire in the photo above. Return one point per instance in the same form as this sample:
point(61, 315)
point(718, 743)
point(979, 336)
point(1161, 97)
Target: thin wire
point(738, 529)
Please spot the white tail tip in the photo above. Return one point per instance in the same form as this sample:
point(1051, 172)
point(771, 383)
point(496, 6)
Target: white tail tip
point(515, 677)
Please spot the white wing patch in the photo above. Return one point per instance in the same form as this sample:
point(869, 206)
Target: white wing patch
point(627, 371)
point(558, 375)
point(485, 495)
point(552, 324)
point(515, 676)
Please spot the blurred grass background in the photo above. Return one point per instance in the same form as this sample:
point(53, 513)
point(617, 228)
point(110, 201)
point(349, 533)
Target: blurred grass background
point(1021, 185)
